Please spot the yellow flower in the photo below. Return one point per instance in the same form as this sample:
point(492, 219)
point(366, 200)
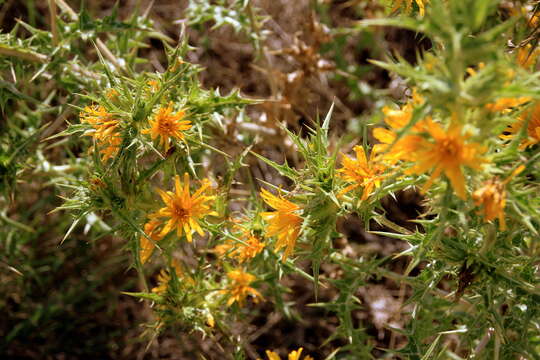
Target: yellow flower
point(420, 3)
point(164, 277)
point(183, 210)
point(362, 173)
point(154, 85)
point(526, 57)
point(402, 149)
point(447, 153)
point(147, 246)
point(241, 251)
point(112, 94)
point(472, 71)
point(399, 118)
point(240, 289)
point(533, 127)
point(293, 355)
point(283, 223)
point(492, 198)
point(167, 125)
point(105, 130)
point(534, 20)
point(506, 103)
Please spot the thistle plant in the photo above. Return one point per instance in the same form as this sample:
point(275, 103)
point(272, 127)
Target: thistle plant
point(466, 139)
point(176, 173)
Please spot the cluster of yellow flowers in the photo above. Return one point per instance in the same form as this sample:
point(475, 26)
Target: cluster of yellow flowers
point(165, 125)
point(427, 144)
point(418, 138)
point(430, 147)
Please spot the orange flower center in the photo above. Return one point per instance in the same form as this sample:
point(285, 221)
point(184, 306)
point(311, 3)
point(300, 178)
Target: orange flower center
point(165, 126)
point(449, 148)
point(180, 212)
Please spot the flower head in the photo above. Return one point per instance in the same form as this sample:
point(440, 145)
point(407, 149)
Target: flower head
point(167, 125)
point(492, 197)
point(105, 130)
point(446, 152)
point(284, 222)
point(146, 246)
point(250, 246)
point(293, 355)
point(526, 56)
point(420, 3)
point(393, 148)
point(164, 277)
point(153, 84)
point(240, 289)
point(399, 118)
point(112, 94)
point(182, 210)
point(532, 117)
point(362, 173)
point(505, 104)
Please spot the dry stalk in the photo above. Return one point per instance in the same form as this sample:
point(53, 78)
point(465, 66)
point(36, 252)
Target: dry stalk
point(52, 14)
point(26, 55)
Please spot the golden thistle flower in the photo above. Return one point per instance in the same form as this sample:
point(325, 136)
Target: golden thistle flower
point(154, 85)
point(112, 94)
point(492, 198)
point(241, 251)
point(399, 118)
point(534, 20)
point(240, 289)
point(361, 173)
point(105, 130)
point(146, 246)
point(506, 103)
point(447, 153)
point(167, 125)
point(164, 277)
point(293, 355)
point(402, 149)
point(526, 57)
point(392, 151)
point(283, 223)
point(183, 210)
point(420, 3)
point(533, 127)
